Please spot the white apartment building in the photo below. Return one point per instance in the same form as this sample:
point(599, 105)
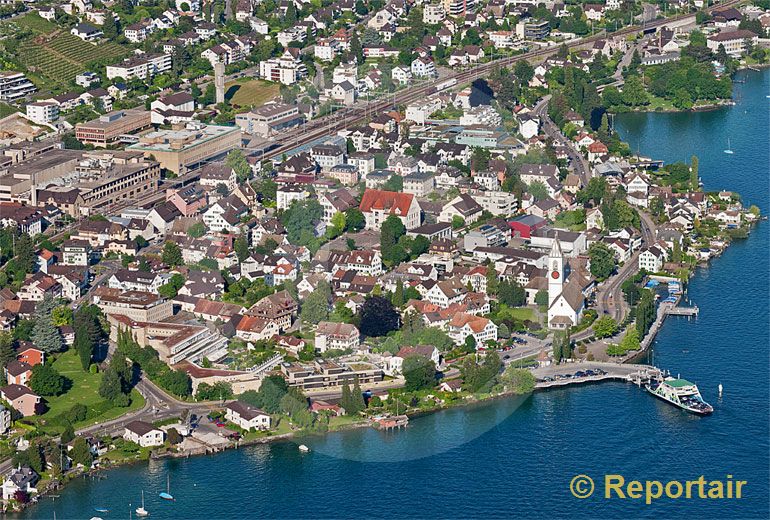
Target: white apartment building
point(142, 67)
point(287, 69)
point(14, 85)
point(433, 14)
point(43, 112)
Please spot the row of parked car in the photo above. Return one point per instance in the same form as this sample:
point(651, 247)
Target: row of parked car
point(577, 375)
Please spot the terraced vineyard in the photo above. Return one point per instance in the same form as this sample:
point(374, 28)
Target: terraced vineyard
point(59, 57)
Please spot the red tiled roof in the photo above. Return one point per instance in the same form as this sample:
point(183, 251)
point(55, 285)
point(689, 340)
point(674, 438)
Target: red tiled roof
point(597, 147)
point(395, 203)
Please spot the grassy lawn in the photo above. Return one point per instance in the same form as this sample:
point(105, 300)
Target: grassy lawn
point(85, 390)
point(34, 22)
point(6, 110)
point(336, 423)
point(247, 92)
point(522, 313)
point(658, 103)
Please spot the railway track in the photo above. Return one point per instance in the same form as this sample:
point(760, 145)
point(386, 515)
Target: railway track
point(351, 116)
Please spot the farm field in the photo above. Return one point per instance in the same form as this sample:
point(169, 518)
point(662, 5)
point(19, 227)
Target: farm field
point(247, 92)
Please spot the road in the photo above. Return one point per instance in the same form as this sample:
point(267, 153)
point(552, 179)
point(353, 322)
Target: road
point(578, 163)
point(609, 296)
point(350, 116)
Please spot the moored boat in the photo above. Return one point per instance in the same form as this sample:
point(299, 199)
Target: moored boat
point(681, 393)
point(141, 511)
point(167, 494)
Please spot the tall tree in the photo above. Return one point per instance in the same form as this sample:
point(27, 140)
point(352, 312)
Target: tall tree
point(35, 455)
point(602, 260)
point(315, 308)
point(46, 381)
point(419, 372)
point(634, 93)
point(7, 352)
point(356, 50)
point(110, 27)
point(241, 247)
point(44, 334)
point(172, 254)
point(81, 453)
point(237, 161)
point(392, 229)
point(377, 317)
point(25, 253)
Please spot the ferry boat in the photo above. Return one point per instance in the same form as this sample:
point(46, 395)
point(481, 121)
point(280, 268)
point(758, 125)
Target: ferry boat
point(680, 393)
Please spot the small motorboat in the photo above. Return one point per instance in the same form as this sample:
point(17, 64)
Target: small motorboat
point(303, 448)
point(101, 510)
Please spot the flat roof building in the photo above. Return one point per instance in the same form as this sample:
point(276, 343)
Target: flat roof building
point(108, 128)
point(269, 119)
point(179, 149)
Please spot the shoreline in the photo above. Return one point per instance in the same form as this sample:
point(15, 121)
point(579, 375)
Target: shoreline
point(464, 403)
point(708, 107)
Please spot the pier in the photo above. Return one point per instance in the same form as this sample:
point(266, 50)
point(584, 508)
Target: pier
point(565, 374)
point(682, 311)
point(392, 422)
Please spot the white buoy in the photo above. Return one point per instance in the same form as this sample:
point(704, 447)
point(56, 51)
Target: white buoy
point(720, 389)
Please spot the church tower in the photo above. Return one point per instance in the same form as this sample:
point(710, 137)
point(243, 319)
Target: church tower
point(555, 269)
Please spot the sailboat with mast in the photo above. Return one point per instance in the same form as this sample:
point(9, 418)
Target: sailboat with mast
point(141, 511)
point(729, 149)
point(167, 495)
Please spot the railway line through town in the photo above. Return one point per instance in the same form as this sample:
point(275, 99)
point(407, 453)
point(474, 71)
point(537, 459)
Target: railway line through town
point(343, 118)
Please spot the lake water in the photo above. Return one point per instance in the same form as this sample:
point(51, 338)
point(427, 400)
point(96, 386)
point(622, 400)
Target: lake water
point(517, 457)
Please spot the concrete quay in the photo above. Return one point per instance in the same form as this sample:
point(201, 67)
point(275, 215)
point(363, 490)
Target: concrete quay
point(632, 373)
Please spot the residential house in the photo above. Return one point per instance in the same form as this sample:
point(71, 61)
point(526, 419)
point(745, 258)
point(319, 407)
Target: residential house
point(246, 416)
point(463, 325)
point(462, 206)
point(144, 434)
point(336, 336)
point(377, 205)
point(22, 399)
point(22, 478)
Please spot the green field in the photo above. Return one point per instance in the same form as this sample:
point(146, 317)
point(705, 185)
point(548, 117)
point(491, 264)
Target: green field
point(85, 390)
point(34, 22)
point(247, 92)
point(6, 110)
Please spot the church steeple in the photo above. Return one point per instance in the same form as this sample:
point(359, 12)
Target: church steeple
point(555, 269)
point(556, 251)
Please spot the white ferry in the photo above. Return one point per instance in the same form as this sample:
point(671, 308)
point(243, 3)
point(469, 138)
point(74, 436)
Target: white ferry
point(681, 393)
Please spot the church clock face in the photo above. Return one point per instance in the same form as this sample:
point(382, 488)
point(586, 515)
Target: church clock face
point(555, 275)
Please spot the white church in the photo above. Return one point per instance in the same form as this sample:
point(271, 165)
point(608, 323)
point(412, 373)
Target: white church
point(565, 295)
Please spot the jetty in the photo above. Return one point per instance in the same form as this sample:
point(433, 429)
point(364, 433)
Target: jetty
point(391, 422)
point(594, 371)
point(682, 311)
